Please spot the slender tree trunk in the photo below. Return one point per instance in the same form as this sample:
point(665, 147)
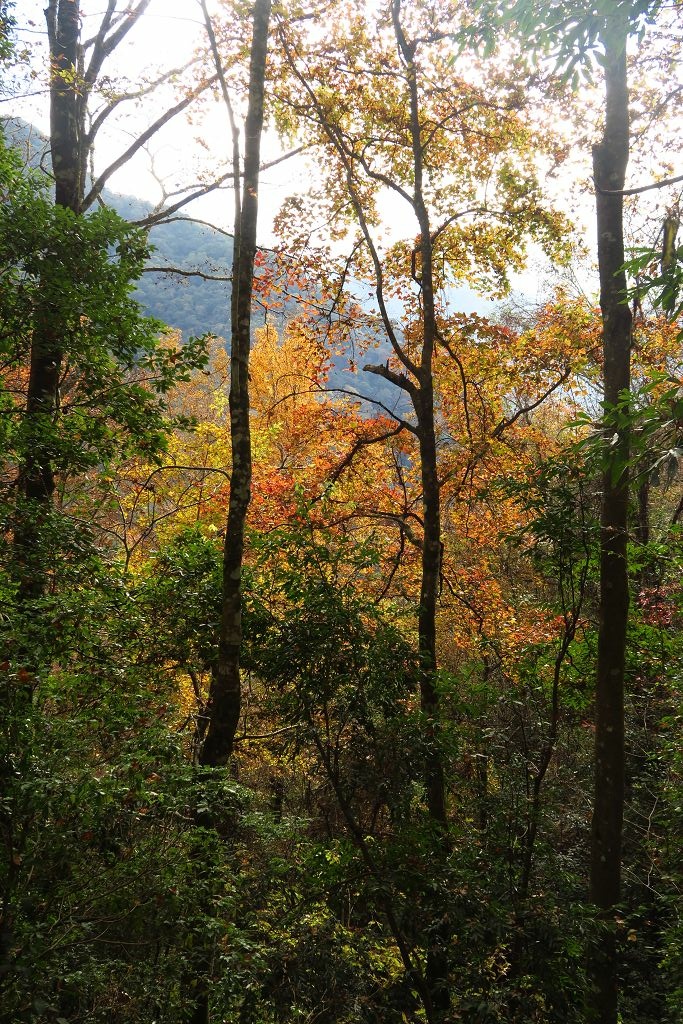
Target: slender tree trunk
point(36, 479)
point(429, 594)
point(642, 530)
point(71, 84)
point(436, 968)
point(417, 382)
point(423, 402)
point(610, 158)
point(648, 572)
point(223, 708)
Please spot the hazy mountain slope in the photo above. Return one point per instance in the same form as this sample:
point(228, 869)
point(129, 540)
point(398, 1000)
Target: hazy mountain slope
point(194, 304)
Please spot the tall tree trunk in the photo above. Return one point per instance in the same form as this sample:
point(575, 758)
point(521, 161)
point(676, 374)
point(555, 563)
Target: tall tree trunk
point(417, 382)
point(37, 475)
point(70, 87)
point(63, 27)
point(610, 158)
point(429, 594)
point(436, 968)
point(223, 708)
point(648, 571)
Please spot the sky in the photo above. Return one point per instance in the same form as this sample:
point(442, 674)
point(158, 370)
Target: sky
point(184, 151)
point(188, 150)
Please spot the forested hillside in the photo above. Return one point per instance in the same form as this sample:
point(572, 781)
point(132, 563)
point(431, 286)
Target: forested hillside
point(193, 294)
point(317, 708)
point(192, 304)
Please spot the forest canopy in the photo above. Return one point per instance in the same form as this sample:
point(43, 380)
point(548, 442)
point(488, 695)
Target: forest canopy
point(341, 652)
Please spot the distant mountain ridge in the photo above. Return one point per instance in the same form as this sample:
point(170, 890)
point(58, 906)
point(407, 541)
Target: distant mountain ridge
point(193, 304)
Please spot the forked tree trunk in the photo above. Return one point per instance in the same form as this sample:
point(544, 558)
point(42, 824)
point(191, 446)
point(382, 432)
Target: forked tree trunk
point(610, 158)
point(418, 384)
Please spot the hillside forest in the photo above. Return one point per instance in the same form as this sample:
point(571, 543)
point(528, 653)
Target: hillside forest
point(341, 650)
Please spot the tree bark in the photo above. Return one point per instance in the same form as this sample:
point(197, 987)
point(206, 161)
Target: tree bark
point(436, 967)
point(610, 159)
point(223, 708)
point(66, 129)
point(36, 478)
point(429, 595)
point(71, 84)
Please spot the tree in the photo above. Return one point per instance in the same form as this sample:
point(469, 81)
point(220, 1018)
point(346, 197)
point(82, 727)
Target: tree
point(385, 102)
point(114, 372)
point(573, 34)
point(114, 378)
point(37, 473)
point(223, 708)
point(74, 71)
point(610, 158)
point(220, 716)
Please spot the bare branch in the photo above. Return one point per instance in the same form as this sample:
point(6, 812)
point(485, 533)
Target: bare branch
point(246, 737)
point(103, 46)
point(463, 380)
point(167, 116)
point(357, 446)
point(399, 379)
point(508, 421)
point(180, 272)
point(193, 469)
point(373, 401)
point(196, 220)
point(162, 216)
point(138, 94)
point(640, 189)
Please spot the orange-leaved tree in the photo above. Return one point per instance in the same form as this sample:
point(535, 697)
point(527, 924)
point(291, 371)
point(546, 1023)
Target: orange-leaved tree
point(402, 122)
